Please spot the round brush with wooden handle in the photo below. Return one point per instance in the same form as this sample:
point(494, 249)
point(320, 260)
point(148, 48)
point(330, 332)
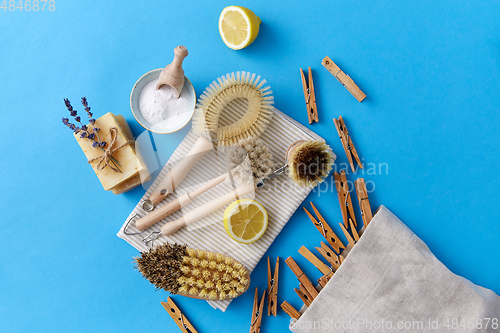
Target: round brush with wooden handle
point(308, 163)
point(250, 153)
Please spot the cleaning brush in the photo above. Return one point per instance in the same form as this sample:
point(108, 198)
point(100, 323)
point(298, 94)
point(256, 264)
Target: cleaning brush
point(223, 91)
point(309, 162)
point(251, 153)
point(193, 273)
point(250, 161)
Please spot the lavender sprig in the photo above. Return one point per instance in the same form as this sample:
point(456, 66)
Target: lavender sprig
point(85, 133)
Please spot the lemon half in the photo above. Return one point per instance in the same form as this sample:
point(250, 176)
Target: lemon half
point(238, 26)
point(245, 220)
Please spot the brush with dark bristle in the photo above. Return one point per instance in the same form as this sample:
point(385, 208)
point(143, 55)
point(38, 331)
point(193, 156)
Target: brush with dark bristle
point(309, 162)
point(193, 273)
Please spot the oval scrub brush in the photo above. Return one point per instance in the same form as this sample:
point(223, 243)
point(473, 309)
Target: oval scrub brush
point(193, 273)
point(220, 93)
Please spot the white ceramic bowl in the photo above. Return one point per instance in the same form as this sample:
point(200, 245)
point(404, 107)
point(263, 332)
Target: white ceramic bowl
point(134, 102)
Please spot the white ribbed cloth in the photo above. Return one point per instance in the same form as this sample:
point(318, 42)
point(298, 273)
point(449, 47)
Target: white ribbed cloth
point(279, 196)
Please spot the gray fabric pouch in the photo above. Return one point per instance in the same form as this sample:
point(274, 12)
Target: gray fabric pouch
point(390, 281)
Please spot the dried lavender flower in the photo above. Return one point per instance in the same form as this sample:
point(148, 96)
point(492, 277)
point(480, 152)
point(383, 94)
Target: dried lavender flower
point(94, 137)
point(68, 105)
point(96, 129)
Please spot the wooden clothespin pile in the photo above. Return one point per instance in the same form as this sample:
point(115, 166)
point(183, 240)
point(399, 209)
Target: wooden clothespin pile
point(306, 291)
point(178, 317)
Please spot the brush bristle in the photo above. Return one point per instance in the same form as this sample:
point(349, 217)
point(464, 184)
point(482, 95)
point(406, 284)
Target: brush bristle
point(310, 163)
point(220, 93)
point(251, 161)
point(190, 272)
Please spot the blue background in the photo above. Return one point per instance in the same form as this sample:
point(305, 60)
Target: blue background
point(430, 70)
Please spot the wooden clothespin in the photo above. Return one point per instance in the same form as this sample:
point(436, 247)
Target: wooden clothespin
point(305, 292)
point(272, 286)
point(328, 254)
point(290, 310)
point(178, 317)
point(325, 230)
point(257, 312)
point(354, 231)
point(303, 296)
point(343, 78)
point(309, 95)
point(324, 280)
point(346, 140)
point(302, 277)
point(344, 194)
point(364, 203)
point(347, 235)
point(315, 261)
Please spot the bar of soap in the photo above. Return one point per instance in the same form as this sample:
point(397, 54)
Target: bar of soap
point(131, 164)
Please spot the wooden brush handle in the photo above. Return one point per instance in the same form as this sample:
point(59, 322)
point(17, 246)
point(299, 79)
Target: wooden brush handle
point(162, 212)
point(173, 206)
point(179, 171)
point(206, 209)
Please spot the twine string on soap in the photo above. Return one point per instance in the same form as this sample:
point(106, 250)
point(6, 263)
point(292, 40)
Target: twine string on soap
point(105, 158)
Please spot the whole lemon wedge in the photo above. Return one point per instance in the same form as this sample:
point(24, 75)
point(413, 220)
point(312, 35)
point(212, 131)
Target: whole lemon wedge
point(245, 220)
point(238, 26)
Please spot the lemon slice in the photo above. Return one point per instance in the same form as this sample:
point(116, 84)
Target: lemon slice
point(245, 220)
point(238, 26)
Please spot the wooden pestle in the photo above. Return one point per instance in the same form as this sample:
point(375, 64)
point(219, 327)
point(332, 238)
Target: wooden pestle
point(173, 74)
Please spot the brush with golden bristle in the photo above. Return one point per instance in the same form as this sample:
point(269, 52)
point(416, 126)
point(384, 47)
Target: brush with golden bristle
point(193, 273)
point(220, 93)
point(309, 162)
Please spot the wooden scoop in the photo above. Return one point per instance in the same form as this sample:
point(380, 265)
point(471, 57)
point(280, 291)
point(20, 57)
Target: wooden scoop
point(173, 74)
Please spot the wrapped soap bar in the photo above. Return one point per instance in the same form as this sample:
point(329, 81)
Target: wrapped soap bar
point(123, 168)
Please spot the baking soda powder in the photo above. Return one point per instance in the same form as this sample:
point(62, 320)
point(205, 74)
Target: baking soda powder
point(161, 108)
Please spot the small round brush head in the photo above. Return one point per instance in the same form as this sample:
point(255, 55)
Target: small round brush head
point(220, 93)
point(193, 273)
point(309, 162)
point(251, 160)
